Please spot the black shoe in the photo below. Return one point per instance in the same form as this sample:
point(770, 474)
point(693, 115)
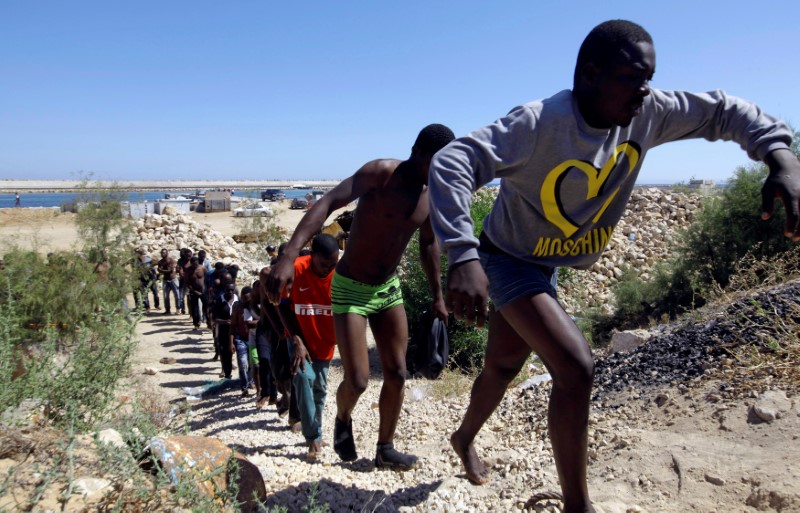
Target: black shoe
point(283, 411)
point(386, 456)
point(343, 442)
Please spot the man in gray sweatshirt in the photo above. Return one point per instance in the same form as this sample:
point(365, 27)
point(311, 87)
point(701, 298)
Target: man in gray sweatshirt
point(567, 166)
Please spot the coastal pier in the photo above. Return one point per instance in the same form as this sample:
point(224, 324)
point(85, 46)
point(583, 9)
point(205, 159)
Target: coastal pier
point(21, 186)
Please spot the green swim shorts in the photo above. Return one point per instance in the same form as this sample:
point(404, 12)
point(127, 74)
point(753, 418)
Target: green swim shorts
point(252, 353)
point(350, 296)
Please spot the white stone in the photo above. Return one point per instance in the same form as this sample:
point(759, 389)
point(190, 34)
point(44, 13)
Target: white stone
point(111, 437)
point(628, 340)
point(89, 486)
point(771, 405)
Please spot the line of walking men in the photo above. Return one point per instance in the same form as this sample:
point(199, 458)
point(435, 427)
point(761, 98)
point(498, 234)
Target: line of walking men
point(243, 324)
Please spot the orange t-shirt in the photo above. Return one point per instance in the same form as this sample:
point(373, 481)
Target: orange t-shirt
point(311, 302)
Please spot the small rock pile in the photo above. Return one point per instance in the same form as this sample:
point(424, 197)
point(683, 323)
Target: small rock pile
point(642, 238)
point(173, 230)
point(690, 351)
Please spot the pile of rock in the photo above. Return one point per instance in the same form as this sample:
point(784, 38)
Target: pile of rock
point(643, 237)
point(173, 230)
point(679, 354)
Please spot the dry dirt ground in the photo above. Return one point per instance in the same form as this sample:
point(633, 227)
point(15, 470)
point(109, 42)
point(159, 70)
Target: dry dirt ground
point(663, 450)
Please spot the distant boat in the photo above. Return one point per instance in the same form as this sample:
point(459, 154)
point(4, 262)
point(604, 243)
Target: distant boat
point(300, 186)
point(175, 199)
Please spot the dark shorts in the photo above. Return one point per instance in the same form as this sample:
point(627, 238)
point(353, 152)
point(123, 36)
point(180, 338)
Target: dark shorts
point(511, 278)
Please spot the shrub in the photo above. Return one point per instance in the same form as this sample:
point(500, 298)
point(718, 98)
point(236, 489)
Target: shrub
point(66, 334)
point(728, 227)
point(467, 344)
point(727, 231)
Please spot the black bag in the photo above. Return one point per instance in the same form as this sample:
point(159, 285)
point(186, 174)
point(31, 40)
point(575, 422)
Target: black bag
point(281, 363)
point(432, 347)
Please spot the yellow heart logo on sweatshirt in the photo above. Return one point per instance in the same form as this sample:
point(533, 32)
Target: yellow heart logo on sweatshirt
point(597, 178)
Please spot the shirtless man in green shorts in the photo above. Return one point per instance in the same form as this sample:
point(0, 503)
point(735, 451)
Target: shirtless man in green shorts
point(393, 203)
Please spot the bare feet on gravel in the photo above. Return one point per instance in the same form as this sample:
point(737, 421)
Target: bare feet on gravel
point(476, 470)
point(314, 450)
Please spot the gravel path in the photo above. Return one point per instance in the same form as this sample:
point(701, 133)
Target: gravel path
point(676, 440)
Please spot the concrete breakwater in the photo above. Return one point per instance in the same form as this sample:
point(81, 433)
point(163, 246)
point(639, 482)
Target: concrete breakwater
point(22, 186)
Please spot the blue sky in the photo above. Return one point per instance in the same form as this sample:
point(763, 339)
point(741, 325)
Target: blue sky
point(312, 90)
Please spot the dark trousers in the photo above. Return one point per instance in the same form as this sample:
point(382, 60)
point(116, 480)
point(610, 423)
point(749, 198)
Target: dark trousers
point(265, 377)
point(141, 297)
point(268, 389)
point(281, 369)
point(194, 309)
point(223, 342)
point(170, 286)
point(203, 308)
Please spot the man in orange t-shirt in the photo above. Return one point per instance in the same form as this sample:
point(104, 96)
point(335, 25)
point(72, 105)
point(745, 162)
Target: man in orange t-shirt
point(308, 317)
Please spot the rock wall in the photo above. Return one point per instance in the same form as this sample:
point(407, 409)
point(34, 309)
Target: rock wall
point(643, 237)
point(177, 231)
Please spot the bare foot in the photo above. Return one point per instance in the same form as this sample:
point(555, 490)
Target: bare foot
point(314, 450)
point(476, 471)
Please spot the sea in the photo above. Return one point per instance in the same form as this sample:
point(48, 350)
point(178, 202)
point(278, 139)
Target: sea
point(56, 199)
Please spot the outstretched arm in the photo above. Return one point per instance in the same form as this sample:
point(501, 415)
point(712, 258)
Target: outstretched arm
point(430, 256)
point(783, 182)
point(282, 273)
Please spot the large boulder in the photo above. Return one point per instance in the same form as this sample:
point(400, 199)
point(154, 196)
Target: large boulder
point(212, 466)
point(628, 340)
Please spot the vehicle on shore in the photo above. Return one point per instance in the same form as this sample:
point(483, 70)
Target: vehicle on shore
point(273, 195)
point(298, 204)
point(314, 196)
point(253, 210)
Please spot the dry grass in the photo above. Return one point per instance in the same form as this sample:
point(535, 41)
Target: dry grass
point(452, 383)
point(771, 358)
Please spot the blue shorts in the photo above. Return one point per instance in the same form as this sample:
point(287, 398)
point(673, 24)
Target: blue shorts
point(511, 278)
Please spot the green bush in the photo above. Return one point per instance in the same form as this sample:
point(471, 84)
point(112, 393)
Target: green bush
point(467, 344)
point(708, 254)
point(729, 227)
point(66, 334)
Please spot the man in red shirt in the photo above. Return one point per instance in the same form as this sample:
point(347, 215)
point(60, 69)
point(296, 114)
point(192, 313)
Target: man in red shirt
point(308, 317)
